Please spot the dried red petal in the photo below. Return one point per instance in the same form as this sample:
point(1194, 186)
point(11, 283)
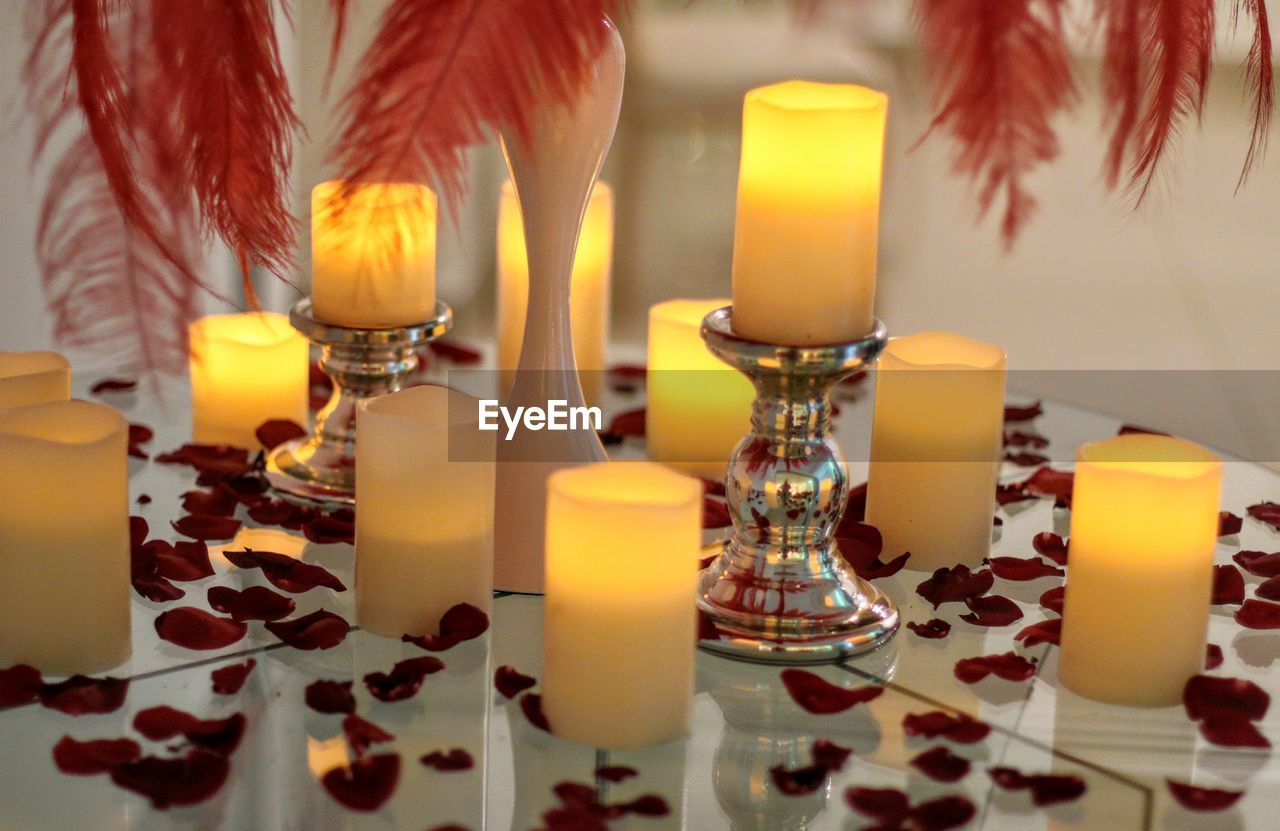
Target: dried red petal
point(1212, 656)
point(229, 679)
point(991, 610)
point(446, 762)
point(207, 526)
point(210, 458)
point(1229, 523)
point(855, 506)
point(1269, 589)
point(183, 561)
point(1054, 599)
point(799, 781)
point(1049, 482)
point(144, 563)
point(1020, 438)
point(254, 603)
point(510, 682)
point(276, 432)
point(366, 784)
point(1259, 563)
point(1207, 696)
point(282, 514)
point(93, 757)
point(114, 385)
point(321, 629)
point(284, 572)
point(1046, 789)
point(1051, 546)
point(1009, 666)
point(329, 529)
point(1026, 458)
point(961, 729)
point(941, 765)
point(216, 735)
point(221, 501)
point(943, 813)
point(1134, 429)
point(404, 680)
point(531, 706)
point(830, 755)
point(1258, 614)
point(1046, 631)
point(455, 352)
point(1023, 412)
point(361, 733)
point(1232, 731)
point(1022, 568)
point(932, 629)
point(194, 628)
point(19, 684)
point(888, 805)
point(1202, 799)
point(462, 622)
point(80, 695)
point(816, 695)
point(861, 545)
point(330, 697)
point(1228, 586)
point(646, 805)
point(955, 585)
point(629, 423)
point(139, 434)
point(1009, 494)
point(185, 780)
point(615, 773)
point(715, 513)
point(1268, 512)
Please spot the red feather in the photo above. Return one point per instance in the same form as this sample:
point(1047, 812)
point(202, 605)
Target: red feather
point(341, 11)
point(1261, 80)
point(1002, 72)
point(440, 73)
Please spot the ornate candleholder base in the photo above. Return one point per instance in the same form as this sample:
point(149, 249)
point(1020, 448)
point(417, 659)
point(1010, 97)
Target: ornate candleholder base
point(780, 592)
point(363, 363)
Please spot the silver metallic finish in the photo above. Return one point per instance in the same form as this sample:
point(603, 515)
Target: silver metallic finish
point(363, 363)
point(780, 592)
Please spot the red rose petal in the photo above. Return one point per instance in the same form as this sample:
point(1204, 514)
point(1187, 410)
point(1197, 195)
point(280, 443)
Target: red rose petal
point(861, 545)
point(330, 697)
point(229, 679)
point(284, 572)
point(321, 629)
point(936, 724)
point(221, 501)
point(1269, 589)
point(184, 561)
point(1026, 458)
point(943, 813)
point(194, 628)
point(462, 622)
point(955, 585)
point(93, 757)
point(139, 434)
point(366, 784)
point(888, 805)
point(1212, 656)
point(1228, 586)
point(941, 765)
point(446, 762)
point(1207, 696)
point(1046, 631)
point(1022, 569)
point(1258, 614)
point(185, 780)
point(830, 755)
point(531, 706)
point(1046, 789)
point(1009, 666)
point(1134, 429)
point(1054, 598)
point(1022, 412)
point(616, 773)
point(216, 735)
point(1019, 438)
point(510, 682)
point(276, 432)
point(1051, 546)
point(1259, 563)
point(1233, 731)
point(207, 527)
point(254, 603)
point(647, 805)
point(816, 695)
point(282, 514)
point(1268, 512)
point(361, 733)
point(404, 680)
point(1009, 494)
point(19, 684)
point(1202, 799)
point(799, 781)
point(455, 352)
point(1049, 482)
point(1229, 523)
point(933, 629)
point(855, 506)
point(715, 513)
point(329, 529)
point(113, 385)
point(991, 610)
point(629, 423)
point(82, 696)
point(206, 458)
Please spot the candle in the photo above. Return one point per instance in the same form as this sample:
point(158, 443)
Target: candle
point(373, 254)
point(588, 288)
point(33, 378)
point(804, 250)
point(245, 369)
point(1144, 523)
point(936, 440)
point(619, 623)
point(699, 407)
point(64, 537)
point(424, 531)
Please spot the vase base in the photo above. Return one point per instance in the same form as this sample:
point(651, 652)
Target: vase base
point(304, 469)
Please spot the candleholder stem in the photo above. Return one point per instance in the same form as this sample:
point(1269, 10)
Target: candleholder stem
point(363, 363)
point(780, 592)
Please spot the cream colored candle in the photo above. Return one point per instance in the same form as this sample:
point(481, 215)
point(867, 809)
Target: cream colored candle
point(424, 530)
point(589, 288)
point(64, 537)
point(1144, 523)
point(936, 440)
point(804, 250)
point(699, 407)
point(619, 623)
point(33, 378)
point(373, 254)
point(245, 369)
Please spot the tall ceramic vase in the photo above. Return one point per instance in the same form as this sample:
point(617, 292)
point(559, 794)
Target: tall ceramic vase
point(553, 172)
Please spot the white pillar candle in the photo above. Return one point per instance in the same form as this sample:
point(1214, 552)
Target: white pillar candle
point(424, 528)
point(1144, 523)
point(699, 407)
point(936, 439)
point(33, 378)
point(64, 537)
point(246, 369)
point(623, 541)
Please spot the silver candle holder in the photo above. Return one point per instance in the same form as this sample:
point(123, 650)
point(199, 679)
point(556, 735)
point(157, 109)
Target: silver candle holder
point(363, 363)
point(779, 591)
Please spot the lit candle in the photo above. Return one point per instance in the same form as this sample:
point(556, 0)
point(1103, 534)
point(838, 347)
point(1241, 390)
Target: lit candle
point(588, 288)
point(1144, 523)
point(622, 547)
point(245, 369)
point(64, 537)
point(424, 531)
point(33, 378)
point(373, 254)
point(936, 439)
point(804, 251)
point(699, 407)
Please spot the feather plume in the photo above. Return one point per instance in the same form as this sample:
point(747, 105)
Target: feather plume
point(1261, 81)
point(341, 10)
point(1001, 72)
